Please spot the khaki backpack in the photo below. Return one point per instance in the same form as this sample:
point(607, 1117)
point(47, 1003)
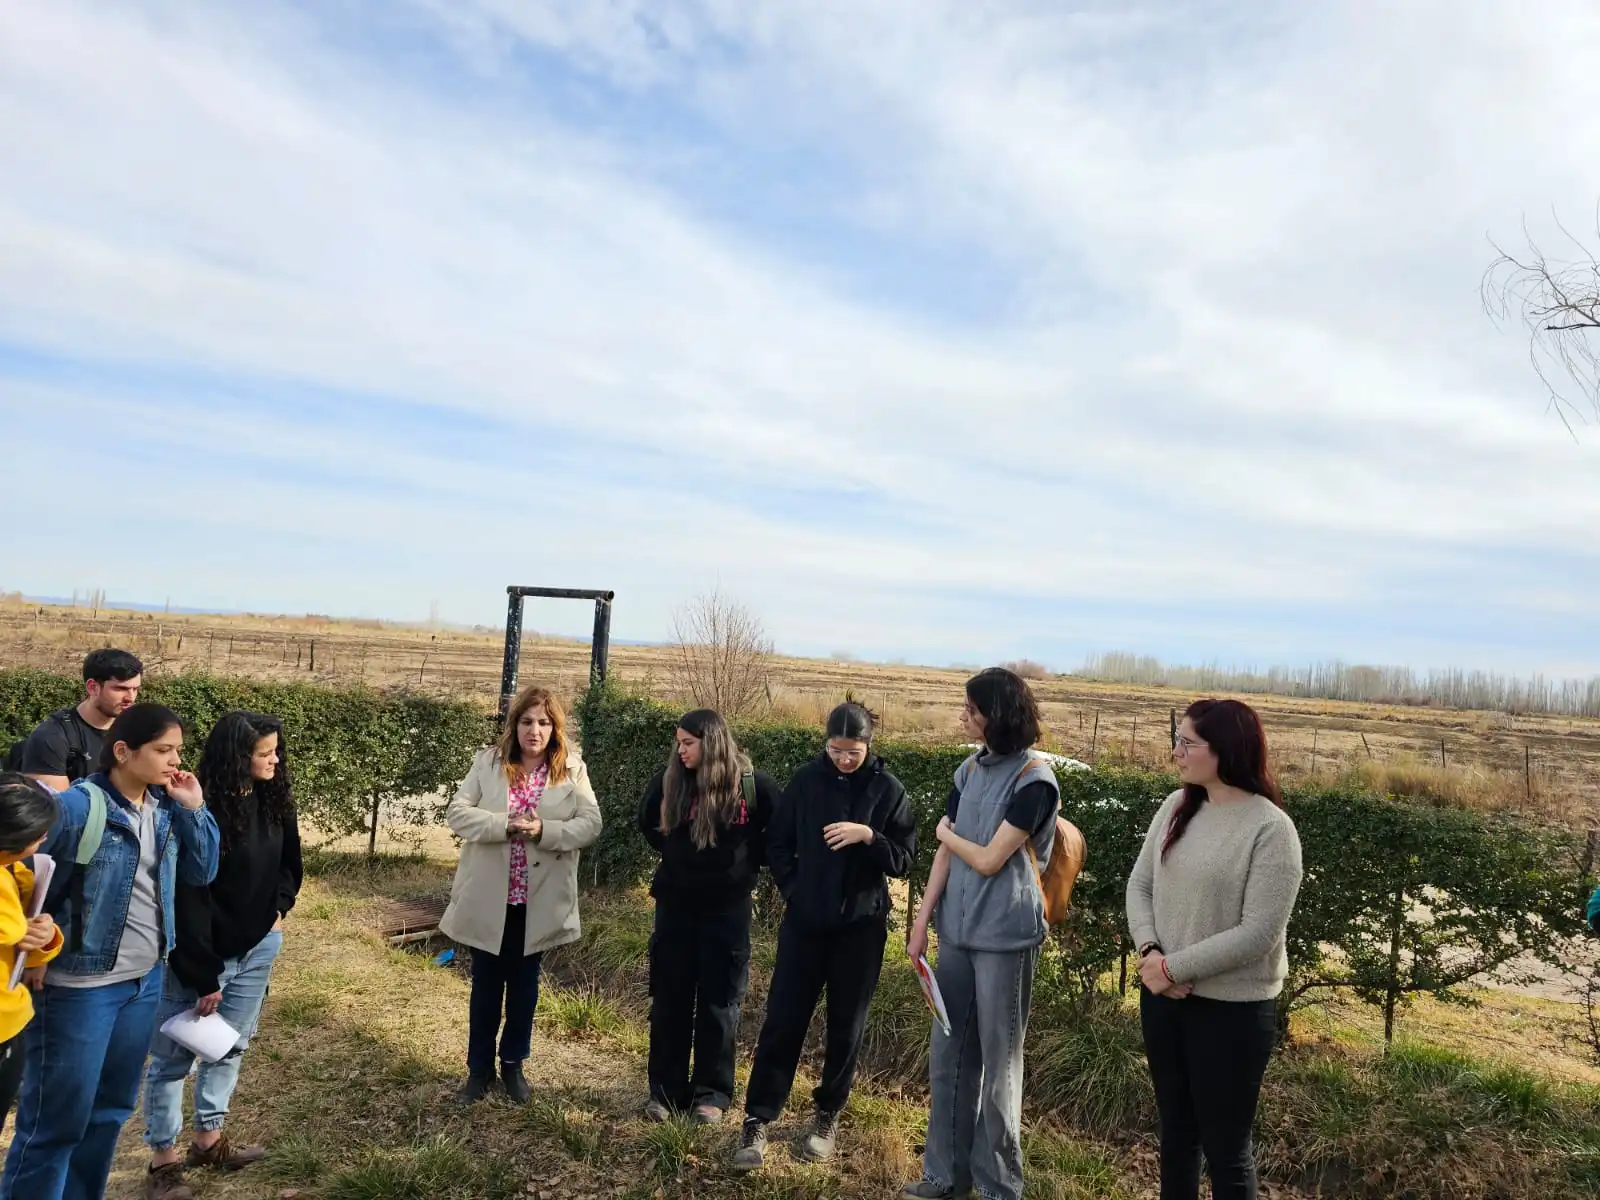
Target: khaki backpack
point(1061, 872)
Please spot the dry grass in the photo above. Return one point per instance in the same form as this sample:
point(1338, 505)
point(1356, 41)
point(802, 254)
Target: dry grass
point(351, 1079)
point(1544, 765)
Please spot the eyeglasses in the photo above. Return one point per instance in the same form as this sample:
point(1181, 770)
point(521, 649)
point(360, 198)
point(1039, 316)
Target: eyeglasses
point(836, 753)
point(1183, 745)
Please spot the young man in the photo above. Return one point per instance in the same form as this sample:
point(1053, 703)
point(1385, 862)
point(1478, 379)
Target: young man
point(66, 744)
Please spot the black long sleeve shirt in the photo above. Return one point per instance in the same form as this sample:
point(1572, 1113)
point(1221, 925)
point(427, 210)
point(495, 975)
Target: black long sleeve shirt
point(258, 878)
point(717, 876)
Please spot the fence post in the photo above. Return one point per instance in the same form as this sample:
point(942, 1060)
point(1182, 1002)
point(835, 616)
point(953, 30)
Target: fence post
point(1442, 761)
point(1172, 726)
point(1527, 772)
point(1314, 733)
point(1133, 741)
point(1094, 740)
point(1368, 748)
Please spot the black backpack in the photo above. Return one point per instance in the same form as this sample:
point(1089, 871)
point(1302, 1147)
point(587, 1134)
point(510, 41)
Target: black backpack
point(78, 765)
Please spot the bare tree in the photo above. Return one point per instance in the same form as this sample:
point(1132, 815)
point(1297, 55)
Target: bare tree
point(722, 654)
point(1557, 299)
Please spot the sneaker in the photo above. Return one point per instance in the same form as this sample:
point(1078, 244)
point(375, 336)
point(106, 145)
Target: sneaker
point(706, 1114)
point(223, 1155)
point(479, 1084)
point(926, 1189)
point(819, 1143)
point(752, 1151)
point(517, 1089)
point(656, 1112)
point(166, 1183)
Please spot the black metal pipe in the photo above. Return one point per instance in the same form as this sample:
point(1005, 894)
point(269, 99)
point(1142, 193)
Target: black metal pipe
point(562, 593)
point(600, 647)
point(508, 666)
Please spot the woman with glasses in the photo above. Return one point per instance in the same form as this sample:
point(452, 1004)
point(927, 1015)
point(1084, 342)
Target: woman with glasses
point(842, 829)
point(1208, 906)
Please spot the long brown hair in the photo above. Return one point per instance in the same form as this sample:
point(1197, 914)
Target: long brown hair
point(1233, 731)
point(713, 789)
point(509, 751)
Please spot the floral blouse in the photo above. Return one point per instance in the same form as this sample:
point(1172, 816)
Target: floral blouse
point(524, 802)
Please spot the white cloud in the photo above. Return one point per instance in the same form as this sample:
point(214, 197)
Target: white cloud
point(1245, 359)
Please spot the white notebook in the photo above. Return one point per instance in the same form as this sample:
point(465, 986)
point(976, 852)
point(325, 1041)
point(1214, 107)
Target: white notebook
point(209, 1038)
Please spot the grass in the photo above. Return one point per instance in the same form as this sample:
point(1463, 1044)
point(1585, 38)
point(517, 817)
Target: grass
point(431, 1169)
point(356, 1065)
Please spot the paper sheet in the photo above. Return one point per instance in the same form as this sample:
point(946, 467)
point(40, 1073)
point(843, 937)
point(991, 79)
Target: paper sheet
point(43, 868)
point(209, 1038)
point(930, 993)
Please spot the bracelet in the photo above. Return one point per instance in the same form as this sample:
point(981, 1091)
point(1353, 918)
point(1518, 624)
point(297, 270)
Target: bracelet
point(1165, 971)
point(1148, 947)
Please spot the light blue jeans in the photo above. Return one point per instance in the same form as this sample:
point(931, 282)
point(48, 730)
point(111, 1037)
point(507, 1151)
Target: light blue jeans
point(244, 987)
point(975, 1103)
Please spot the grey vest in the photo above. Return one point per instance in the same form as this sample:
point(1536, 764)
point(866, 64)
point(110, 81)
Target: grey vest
point(1003, 911)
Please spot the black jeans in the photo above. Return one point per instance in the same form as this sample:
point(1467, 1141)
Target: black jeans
point(699, 968)
point(510, 978)
point(1207, 1058)
point(847, 961)
point(10, 1075)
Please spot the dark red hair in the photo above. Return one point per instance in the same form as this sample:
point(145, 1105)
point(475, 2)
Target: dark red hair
point(1233, 731)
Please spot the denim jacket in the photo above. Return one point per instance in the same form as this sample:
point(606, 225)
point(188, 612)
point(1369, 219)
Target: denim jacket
point(187, 843)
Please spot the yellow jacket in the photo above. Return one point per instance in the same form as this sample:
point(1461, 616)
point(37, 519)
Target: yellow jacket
point(16, 1004)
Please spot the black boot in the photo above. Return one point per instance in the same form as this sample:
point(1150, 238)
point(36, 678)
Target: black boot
point(478, 1085)
point(517, 1089)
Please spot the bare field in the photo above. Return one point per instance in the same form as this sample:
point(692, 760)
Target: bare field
point(1545, 765)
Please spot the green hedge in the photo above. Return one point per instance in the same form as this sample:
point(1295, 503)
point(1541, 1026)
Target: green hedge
point(359, 756)
point(1398, 898)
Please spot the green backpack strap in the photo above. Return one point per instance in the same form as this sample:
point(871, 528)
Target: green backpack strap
point(747, 785)
point(94, 825)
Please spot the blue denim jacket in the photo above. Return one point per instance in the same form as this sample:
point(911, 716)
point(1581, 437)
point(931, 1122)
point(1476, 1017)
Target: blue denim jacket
point(187, 841)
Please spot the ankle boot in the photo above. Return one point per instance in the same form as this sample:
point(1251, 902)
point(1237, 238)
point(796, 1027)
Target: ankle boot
point(517, 1089)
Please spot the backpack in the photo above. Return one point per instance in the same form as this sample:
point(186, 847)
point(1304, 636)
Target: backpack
point(77, 764)
point(94, 830)
point(1592, 914)
point(1061, 872)
point(747, 787)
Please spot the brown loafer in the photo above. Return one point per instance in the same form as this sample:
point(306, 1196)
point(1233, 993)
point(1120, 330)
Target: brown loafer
point(223, 1156)
point(166, 1183)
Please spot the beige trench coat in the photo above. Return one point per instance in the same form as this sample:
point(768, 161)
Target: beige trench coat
point(477, 912)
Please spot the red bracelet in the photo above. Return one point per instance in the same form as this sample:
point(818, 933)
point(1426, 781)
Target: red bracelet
point(1166, 972)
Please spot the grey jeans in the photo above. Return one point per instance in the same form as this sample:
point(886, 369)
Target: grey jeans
point(975, 1112)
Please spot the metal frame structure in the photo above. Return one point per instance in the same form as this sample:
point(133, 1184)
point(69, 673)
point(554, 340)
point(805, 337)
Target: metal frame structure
point(599, 649)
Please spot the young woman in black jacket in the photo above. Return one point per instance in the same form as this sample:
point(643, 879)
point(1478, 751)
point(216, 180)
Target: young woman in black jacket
point(229, 934)
point(842, 830)
point(706, 815)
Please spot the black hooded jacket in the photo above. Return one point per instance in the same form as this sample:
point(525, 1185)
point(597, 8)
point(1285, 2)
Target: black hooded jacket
point(717, 876)
point(828, 889)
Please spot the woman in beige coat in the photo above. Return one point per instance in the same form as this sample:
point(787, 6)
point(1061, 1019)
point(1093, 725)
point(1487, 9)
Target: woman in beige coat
point(523, 813)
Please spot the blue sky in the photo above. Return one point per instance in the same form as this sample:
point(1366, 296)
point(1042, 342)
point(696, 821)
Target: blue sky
point(931, 330)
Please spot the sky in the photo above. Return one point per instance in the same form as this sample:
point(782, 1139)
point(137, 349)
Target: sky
point(928, 329)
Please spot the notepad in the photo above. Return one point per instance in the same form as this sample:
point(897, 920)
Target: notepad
point(210, 1038)
point(43, 868)
point(930, 993)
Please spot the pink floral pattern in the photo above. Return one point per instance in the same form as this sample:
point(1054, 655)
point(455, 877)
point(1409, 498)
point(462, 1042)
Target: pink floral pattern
point(526, 792)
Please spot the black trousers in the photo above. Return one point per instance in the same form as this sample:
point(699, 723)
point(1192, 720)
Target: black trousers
point(1207, 1058)
point(510, 978)
point(699, 969)
point(847, 962)
point(10, 1075)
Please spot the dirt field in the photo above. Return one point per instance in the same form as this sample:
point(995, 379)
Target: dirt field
point(1539, 764)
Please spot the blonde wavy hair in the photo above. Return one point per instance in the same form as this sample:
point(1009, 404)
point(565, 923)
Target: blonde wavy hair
point(713, 788)
point(509, 750)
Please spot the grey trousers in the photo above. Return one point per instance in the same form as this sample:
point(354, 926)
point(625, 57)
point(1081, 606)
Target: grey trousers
point(975, 1112)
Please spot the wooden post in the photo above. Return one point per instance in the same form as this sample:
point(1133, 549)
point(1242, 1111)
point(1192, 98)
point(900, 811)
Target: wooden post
point(1133, 741)
point(1442, 761)
point(1369, 748)
point(1314, 733)
point(1527, 771)
point(313, 667)
point(1122, 974)
point(1172, 726)
point(1094, 740)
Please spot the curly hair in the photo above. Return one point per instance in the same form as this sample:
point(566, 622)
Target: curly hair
point(226, 779)
point(710, 794)
point(1010, 713)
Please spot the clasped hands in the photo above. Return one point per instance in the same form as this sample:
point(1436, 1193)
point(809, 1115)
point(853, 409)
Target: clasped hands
point(1153, 974)
point(525, 828)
